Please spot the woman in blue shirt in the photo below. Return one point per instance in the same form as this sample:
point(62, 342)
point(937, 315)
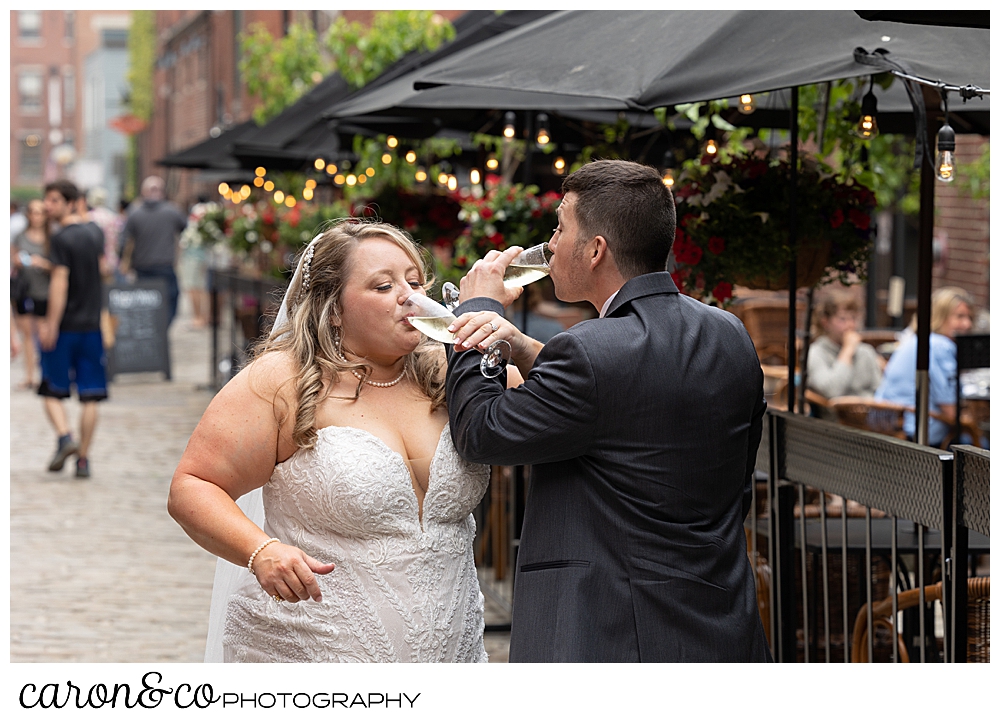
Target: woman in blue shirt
point(951, 314)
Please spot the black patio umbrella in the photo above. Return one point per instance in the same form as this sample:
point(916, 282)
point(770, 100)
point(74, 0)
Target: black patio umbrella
point(648, 59)
point(299, 134)
point(214, 153)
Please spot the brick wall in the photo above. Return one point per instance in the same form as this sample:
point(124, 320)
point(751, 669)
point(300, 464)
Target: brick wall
point(962, 229)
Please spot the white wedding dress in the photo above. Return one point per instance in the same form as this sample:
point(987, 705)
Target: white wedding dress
point(404, 588)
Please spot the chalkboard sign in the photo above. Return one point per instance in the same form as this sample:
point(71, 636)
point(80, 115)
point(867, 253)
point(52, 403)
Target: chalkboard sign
point(138, 314)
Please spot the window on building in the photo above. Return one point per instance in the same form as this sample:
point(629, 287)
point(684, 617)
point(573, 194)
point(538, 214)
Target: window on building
point(69, 90)
point(29, 24)
point(30, 167)
point(29, 87)
point(114, 38)
point(70, 25)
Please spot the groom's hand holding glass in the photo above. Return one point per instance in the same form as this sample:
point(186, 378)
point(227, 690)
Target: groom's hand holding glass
point(479, 329)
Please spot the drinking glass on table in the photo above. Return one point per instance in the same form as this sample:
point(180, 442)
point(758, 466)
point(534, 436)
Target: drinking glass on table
point(433, 319)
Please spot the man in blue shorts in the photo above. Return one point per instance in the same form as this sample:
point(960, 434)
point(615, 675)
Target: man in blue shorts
point(70, 333)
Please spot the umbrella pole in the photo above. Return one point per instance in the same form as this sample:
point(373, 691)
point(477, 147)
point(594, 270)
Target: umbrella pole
point(793, 277)
point(925, 263)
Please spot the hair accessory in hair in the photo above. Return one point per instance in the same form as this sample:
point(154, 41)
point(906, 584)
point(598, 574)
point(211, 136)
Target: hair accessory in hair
point(306, 263)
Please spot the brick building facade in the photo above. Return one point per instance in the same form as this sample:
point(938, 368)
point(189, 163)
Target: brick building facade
point(48, 97)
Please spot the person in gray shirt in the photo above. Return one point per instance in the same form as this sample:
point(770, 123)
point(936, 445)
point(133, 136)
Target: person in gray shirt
point(839, 362)
point(154, 228)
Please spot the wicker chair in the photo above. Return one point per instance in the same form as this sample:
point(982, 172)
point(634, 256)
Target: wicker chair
point(875, 416)
point(978, 645)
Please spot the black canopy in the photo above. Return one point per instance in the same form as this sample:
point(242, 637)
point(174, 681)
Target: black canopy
point(214, 153)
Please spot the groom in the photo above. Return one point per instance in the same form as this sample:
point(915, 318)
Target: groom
point(641, 427)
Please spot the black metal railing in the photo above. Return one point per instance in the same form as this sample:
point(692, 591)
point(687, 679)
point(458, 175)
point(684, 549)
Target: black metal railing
point(239, 307)
point(848, 517)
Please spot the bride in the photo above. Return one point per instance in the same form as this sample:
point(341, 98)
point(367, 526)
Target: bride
point(365, 551)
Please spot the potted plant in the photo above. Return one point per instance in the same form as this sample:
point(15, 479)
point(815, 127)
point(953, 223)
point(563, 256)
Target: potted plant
point(732, 228)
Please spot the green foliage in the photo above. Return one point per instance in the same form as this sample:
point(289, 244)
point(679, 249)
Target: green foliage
point(141, 60)
point(362, 53)
point(974, 178)
point(279, 72)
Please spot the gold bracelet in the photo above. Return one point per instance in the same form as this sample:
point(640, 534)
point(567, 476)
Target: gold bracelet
point(261, 547)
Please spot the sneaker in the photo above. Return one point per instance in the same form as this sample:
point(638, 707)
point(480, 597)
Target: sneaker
point(66, 448)
point(82, 467)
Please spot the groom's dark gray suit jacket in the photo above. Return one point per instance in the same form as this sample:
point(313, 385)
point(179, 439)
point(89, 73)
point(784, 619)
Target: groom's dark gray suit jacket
point(642, 428)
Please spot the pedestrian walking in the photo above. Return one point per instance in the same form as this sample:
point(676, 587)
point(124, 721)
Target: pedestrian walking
point(153, 229)
point(29, 284)
point(70, 333)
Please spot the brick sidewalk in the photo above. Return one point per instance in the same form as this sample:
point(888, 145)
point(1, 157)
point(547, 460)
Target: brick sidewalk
point(99, 572)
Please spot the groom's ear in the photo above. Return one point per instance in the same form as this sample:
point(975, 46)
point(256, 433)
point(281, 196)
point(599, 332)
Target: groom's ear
point(599, 252)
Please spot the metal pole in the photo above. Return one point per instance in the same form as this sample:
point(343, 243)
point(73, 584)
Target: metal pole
point(792, 242)
point(925, 263)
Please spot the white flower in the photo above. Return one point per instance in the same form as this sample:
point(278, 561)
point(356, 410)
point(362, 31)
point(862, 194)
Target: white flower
point(501, 215)
point(266, 246)
point(474, 217)
point(251, 236)
point(764, 215)
point(462, 215)
point(489, 229)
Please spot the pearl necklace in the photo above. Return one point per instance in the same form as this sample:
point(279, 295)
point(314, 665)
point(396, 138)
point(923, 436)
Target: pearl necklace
point(361, 377)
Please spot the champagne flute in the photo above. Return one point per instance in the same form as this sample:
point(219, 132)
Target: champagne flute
point(433, 319)
point(528, 266)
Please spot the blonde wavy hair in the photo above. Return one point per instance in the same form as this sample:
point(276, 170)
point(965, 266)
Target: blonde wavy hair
point(314, 303)
point(943, 302)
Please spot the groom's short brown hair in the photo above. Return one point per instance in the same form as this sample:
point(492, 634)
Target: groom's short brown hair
point(628, 204)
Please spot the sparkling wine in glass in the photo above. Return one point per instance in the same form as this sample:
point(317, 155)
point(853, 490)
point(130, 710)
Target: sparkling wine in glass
point(433, 319)
point(528, 266)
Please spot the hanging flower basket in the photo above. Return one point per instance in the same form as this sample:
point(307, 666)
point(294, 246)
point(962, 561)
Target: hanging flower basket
point(732, 228)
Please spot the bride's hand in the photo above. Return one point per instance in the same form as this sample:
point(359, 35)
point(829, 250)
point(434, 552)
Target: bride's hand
point(286, 571)
point(482, 328)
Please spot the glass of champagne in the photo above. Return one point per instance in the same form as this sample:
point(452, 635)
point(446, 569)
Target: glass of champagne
point(433, 319)
point(528, 266)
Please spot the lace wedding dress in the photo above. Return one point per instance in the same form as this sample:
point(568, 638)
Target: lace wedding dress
point(404, 588)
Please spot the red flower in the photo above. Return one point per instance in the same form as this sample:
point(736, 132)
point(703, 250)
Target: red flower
point(442, 241)
point(716, 244)
point(461, 260)
point(486, 213)
point(268, 216)
point(837, 219)
point(859, 219)
point(537, 213)
point(678, 280)
point(293, 217)
point(688, 218)
point(687, 253)
point(496, 239)
point(680, 238)
point(722, 291)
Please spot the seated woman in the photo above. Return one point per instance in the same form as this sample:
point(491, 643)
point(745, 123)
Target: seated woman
point(951, 314)
point(365, 550)
point(840, 364)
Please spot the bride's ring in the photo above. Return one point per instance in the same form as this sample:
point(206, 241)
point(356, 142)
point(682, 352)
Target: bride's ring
point(494, 326)
point(278, 598)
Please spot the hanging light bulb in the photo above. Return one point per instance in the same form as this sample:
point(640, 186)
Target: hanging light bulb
point(452, 183)
point(370, 172)
point(411, 156)
point(559, 165)
point(420, 175)
point(279, 197)
point(475, 177)
point(543, 137)
point(747, 104)
point(351, 179)
point(290, 201)
point(491, 162)
point(260, 171)
point(442, 179)
point(668, 168)
point(386, 158)
point(268, 186)
point(392, 141)
point(310, 183)
point(867, 127)
point(508, 130)
point(945, 166)
point(711, 147)
point(339, 179)
point(319, 164)
point(331, 168)
point(307, 194)
point(258, 181)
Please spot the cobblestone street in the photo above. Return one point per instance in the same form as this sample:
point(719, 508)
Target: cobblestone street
point(99, 572)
